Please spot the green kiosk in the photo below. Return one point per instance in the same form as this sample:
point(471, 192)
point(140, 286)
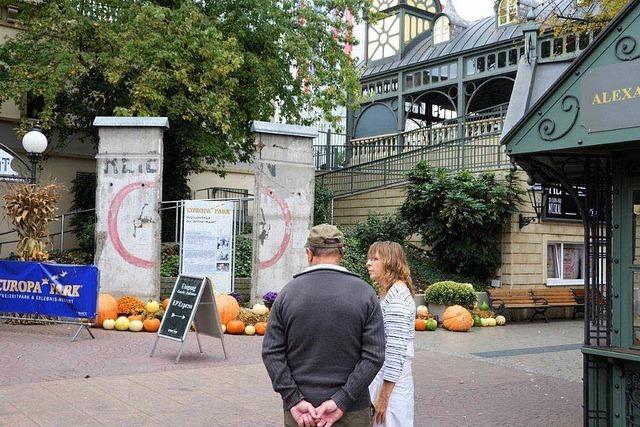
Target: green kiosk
point(583, 135)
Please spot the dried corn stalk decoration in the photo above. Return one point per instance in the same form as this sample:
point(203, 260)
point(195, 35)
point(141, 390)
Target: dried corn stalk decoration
point(30, 208)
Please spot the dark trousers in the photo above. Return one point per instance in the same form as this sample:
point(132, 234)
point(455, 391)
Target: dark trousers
point(362, 418)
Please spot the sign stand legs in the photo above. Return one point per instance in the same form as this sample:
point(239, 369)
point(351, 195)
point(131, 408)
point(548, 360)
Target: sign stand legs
point(155, 344)
point(179, 352)
point(78, 332)
point(198, 338)
point(223, 349)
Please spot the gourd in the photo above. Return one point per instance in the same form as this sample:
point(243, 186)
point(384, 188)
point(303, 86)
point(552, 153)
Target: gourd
point(457, 318)
point(422, 311)
point(109, 324)
point(165, 304)
point(228, 308)
point(151, 325)
point(500, 320)
point(484, 306)
point(107, 309)
point(491, 321)
point(432, 325)
point(421, 325)
point(122, 323)
point(152, 306)
point(135, 326)
point(260, 309)
point(477, 320)
point(235, 327)
point(250, 330)
point(223, 328)
point(261, 328)
point(139, 317)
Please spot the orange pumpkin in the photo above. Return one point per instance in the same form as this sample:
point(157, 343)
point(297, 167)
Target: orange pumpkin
point(165, 304)
point(235, 327)
point(107, 309)
point(421, 325)
point(151, 325)
point(457, 318)
point(228, 308)
point(261, 328)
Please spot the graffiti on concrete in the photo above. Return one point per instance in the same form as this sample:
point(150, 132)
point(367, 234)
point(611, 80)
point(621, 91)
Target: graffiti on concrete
point(115, 226)
point(265, 227)
point(123, 166)
point(286, 218)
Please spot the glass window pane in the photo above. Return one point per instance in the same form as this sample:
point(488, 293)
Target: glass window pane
point(571, 43)
point(545, 49)
point(453, 70)
point(491, 62)
point(471, 67)
point(444, 72)
point(513, 56)
point(435, 73)
point(480, 64)
point(636, 308)
point(408, 82)
point(426, 77)
point(572, 261)
point(583, 41)
point(502, 59)
point(553, 261)
point(417, 79)
point(557, 46)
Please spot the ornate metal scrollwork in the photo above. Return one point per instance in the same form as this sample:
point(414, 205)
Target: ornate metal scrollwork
point(625, 48)
point(632, 392)
point(547, 127)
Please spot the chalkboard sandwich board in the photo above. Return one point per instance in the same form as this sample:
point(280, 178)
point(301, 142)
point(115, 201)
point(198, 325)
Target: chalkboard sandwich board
point(191, 302)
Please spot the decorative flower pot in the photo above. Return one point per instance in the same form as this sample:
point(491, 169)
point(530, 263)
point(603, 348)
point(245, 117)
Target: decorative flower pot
point(482, 297)
point(419, 299)
point(437, 310)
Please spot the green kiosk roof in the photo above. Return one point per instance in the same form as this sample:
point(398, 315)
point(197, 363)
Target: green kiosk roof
point(594, 106)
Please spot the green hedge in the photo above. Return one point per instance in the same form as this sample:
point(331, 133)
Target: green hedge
point(451, 293)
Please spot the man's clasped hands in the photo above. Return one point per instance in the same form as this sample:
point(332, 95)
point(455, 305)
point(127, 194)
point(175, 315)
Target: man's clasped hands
point(325, 415)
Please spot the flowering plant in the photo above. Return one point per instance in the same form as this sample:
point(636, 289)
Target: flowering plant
point(237, 296)
point(269, 298)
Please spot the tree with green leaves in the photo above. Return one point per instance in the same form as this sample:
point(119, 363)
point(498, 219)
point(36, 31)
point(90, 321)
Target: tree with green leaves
point(592, 17)
point(460, 215)
point(211, 67)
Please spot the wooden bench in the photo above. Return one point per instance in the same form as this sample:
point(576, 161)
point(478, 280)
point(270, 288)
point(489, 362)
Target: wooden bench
point(502, 300)
point(559, 297)
point(578, 293)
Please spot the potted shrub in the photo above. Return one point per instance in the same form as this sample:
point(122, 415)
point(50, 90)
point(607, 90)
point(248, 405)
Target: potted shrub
point(442, 294)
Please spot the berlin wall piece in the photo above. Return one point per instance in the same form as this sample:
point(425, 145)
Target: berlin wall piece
point(128, 196)
point(283, 213)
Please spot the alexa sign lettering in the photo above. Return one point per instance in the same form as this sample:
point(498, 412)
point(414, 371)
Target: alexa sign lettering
point(610, 97)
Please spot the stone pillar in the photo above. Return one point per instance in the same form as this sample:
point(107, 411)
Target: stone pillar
point(283, 214)
point(128, 196)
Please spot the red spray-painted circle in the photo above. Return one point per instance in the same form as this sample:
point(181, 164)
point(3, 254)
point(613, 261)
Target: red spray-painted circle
point(114, 234)
point(286, 216)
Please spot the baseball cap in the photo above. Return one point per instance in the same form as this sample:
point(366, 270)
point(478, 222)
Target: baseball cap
point(325, 236)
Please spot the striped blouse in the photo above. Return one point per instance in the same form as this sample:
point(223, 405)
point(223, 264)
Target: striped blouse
point(399, 313)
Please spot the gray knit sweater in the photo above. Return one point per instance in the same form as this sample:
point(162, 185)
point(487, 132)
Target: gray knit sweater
point(325, 339)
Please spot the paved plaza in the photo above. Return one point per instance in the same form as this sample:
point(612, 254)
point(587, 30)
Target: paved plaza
point(523, 374)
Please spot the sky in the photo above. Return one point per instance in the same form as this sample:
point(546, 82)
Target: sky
point(467, 9)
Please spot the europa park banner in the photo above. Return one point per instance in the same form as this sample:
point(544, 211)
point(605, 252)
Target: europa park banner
point(48, 289)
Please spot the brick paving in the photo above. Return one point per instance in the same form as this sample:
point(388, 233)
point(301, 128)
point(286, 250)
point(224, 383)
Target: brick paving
point(45, 380)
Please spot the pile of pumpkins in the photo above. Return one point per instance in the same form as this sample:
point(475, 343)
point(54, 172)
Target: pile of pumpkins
point(455, 318)
point(483, 316)
point(424, 320)
point(148, 321)
point(229, 310)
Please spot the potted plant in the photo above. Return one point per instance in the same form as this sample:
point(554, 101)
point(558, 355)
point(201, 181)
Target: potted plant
point(442, 294)
point(269, 298)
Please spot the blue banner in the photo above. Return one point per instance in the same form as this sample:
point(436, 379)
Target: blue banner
point(48, 289)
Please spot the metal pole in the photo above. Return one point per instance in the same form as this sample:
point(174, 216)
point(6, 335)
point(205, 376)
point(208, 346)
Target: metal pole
point(328, 148)
point(62, 233)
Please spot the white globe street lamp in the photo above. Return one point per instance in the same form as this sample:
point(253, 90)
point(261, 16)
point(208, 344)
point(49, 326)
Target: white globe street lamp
point(34, 143)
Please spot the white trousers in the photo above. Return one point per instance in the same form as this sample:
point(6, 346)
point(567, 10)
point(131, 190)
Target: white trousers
point(400, 409)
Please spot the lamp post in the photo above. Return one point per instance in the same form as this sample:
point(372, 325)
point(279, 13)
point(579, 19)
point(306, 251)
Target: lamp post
point(34, 143)
point(537, 201)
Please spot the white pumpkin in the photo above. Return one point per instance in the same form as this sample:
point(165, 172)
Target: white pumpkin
point(122, 323)
point(135, 325)
point(500, 320)
point(422, 311)
point(484, 322)
point(250, 330)
point(260, 309)
point(109, 324)
point(491, 322)
point(224, 328)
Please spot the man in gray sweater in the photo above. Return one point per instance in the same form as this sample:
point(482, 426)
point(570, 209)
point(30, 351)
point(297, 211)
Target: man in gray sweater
point(325, 339)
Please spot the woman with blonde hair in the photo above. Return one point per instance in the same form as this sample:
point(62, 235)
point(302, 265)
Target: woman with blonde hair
point(392, 389)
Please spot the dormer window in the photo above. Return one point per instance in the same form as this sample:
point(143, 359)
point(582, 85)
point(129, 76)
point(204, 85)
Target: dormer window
point(507, 12)
point(442, 30)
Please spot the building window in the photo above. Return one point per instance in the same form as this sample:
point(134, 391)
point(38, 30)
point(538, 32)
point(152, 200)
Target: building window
point(507, 12)
point(384, 38)
point(565, 264)
point(441, 30)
